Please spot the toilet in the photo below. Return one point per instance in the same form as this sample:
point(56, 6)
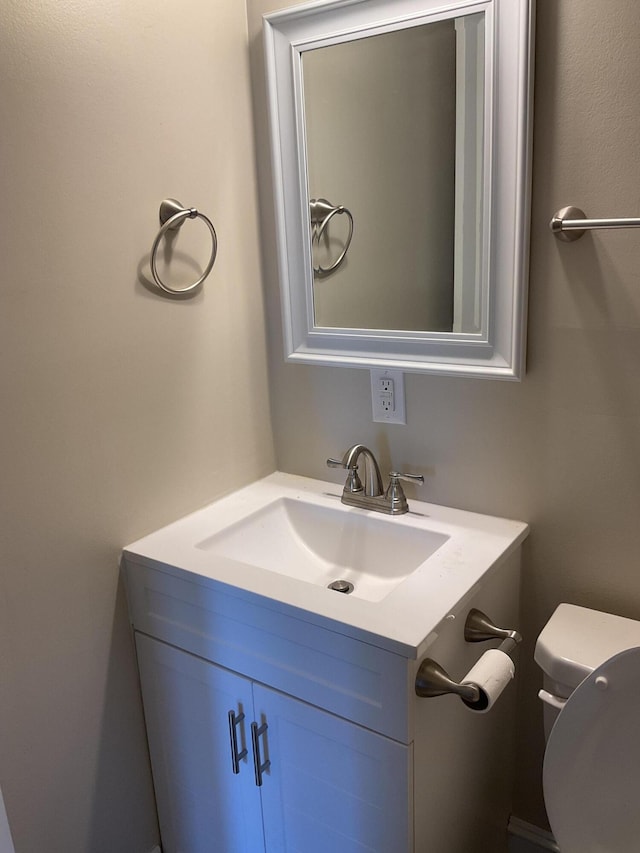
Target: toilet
point(591, 691)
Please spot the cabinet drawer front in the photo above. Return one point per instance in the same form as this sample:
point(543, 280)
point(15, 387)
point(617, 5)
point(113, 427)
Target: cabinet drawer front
point(348, 677)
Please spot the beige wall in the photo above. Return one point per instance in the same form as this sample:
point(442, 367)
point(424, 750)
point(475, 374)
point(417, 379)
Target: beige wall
point(121, 410)
point(561, 449)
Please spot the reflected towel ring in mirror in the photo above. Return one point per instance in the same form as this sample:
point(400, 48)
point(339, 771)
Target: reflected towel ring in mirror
point(322, 211)
point(172, 216)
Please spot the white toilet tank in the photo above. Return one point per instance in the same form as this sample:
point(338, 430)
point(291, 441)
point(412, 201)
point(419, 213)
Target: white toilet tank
point(573, 643)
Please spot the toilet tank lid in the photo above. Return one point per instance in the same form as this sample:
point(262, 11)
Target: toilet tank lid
point(576, 640)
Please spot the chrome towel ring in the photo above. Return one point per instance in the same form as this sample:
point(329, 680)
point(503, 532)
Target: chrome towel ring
point(322, 212)
point(172, 216)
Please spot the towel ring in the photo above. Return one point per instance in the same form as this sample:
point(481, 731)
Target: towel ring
point(322, 212)
point(172, 216)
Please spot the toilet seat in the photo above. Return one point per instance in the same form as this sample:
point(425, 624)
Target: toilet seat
point(591, 774)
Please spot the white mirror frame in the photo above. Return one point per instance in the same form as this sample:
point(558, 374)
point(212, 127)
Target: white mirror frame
point(499, 351)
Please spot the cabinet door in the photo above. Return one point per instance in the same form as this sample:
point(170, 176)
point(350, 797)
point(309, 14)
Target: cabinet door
point(331, 785)
point(203, 806)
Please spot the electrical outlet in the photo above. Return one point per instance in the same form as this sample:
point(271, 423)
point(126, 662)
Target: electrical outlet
point(387, 395)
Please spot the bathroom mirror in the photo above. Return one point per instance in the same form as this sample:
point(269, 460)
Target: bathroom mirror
point(400, 135)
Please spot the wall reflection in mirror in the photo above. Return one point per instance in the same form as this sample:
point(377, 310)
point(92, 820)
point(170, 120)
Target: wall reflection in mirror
point(394, 127)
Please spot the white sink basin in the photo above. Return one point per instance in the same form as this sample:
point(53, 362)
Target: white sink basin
point(319, 545)
point(285, 538)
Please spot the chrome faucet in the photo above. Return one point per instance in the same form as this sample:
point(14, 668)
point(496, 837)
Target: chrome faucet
point(372, 495)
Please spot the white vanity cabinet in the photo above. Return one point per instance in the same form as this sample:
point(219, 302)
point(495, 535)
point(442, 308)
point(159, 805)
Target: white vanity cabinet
point(353, 760)
point(329, 784)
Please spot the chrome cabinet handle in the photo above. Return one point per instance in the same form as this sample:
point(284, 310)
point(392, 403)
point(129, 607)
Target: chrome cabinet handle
point(236, 757)
point(259, 765)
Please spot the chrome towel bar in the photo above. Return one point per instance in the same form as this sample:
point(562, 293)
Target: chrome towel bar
point(570, 223)
point(172, 216)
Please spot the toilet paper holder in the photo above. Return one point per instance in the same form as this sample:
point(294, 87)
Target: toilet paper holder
point(433, 680)
point(478, 628)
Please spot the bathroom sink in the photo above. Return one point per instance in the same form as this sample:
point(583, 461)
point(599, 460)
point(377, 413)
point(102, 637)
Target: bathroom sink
point(321, 545)
point(287, 538)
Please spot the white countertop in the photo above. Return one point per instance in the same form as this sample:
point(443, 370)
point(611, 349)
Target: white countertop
point(402, 621)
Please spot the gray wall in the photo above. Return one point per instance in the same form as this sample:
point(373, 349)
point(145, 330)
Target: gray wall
point(121, 410)
point(561, 449)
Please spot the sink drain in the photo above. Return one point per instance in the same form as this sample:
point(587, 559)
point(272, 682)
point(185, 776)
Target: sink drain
point(341, 586)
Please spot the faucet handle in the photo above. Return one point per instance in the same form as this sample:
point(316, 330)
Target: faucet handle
point(395, 495)
point(409, 478)
point(336, 463)
point(353, 483)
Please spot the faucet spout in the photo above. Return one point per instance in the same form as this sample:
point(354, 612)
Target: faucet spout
point(372, 485)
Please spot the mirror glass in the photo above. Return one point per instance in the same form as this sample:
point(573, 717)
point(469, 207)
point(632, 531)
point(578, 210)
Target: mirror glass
point(381, 118)
point(400, 134)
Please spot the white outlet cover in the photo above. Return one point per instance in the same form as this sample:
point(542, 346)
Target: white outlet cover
point(397, 415)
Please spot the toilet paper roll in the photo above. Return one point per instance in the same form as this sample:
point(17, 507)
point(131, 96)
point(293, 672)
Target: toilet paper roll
point(491, 674)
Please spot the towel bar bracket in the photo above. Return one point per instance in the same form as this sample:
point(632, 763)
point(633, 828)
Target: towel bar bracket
point(559, 221)
point(570, 223)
